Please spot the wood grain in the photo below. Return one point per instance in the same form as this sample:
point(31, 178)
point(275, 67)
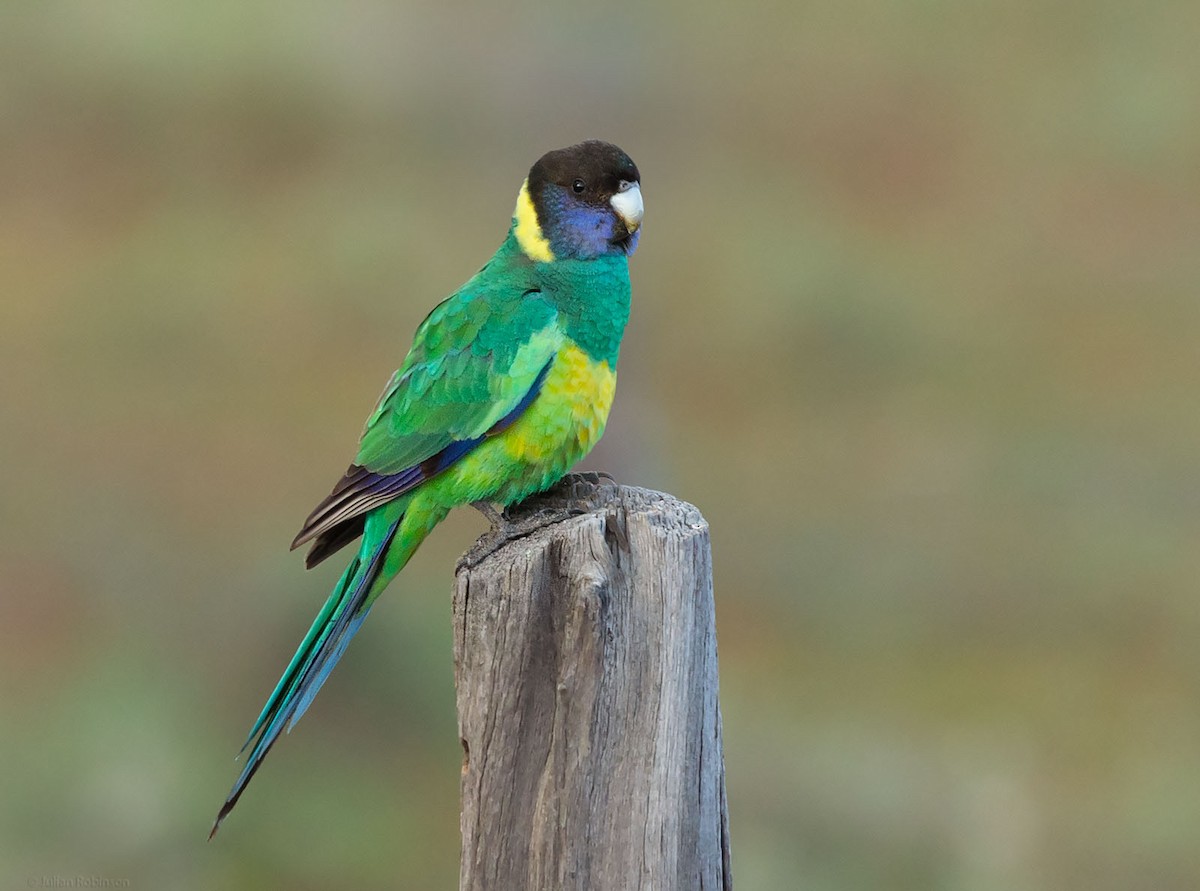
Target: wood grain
point(586, 669)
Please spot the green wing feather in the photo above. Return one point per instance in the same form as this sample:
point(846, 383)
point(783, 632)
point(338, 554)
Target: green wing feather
point(474, 360)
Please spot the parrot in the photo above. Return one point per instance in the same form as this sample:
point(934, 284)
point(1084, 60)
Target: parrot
point(507, 384)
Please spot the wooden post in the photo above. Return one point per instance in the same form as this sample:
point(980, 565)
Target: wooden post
point(586, 666)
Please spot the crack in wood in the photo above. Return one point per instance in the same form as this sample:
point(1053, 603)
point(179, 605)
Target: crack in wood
point(585, 665)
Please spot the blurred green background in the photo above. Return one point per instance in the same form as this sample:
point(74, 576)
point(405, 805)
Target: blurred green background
point(916, 326)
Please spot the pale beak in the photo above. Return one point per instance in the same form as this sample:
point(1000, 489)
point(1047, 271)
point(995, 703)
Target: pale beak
point(628, 205)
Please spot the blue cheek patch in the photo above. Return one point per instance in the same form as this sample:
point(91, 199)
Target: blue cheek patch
point(588, 230)
point(578, 230)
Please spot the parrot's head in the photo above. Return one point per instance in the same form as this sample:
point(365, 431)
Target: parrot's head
point(580, 202)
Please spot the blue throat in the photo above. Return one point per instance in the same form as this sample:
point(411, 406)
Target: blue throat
point(582, 231)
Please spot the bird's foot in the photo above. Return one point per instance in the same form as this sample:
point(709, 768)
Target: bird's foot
point(504, 529)
point(501, 520)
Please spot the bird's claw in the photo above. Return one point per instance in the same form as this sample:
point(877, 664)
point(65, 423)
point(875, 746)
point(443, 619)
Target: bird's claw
point(495, 517)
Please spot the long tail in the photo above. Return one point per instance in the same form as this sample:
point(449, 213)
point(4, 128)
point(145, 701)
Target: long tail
point(379, 559)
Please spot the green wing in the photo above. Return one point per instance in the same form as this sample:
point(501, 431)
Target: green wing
point(476, 362)
point(472, 361)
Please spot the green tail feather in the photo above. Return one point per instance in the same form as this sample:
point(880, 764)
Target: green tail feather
point(339, 619)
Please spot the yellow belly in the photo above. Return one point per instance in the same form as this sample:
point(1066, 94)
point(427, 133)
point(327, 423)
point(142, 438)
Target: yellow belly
point(558, 429)
point(568, 416)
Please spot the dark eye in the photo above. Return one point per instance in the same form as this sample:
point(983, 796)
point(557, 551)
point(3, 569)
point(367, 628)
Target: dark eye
point(578, 186)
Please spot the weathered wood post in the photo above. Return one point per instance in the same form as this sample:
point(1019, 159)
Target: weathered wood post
point(586, 666)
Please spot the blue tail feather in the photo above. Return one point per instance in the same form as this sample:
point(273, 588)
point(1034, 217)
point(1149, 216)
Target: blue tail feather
point(322, 647)
point(306, 697)
point(311, 643)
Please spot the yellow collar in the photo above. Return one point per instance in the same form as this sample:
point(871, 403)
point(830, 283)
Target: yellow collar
point(528, 232)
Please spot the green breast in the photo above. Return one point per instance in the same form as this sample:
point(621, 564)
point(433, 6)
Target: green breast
point(592, 297)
